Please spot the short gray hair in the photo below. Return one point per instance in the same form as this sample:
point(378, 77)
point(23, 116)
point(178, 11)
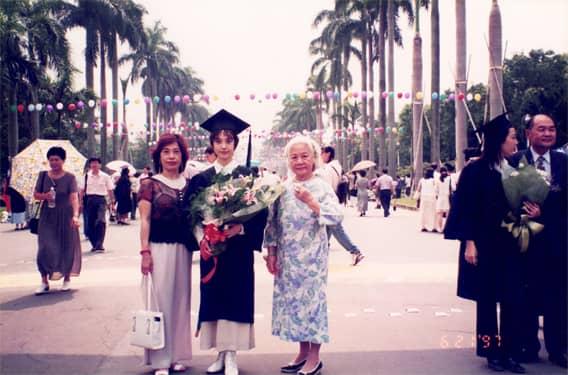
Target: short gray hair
point(304, 140)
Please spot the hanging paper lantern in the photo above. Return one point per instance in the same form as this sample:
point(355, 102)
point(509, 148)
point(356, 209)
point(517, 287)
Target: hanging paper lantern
point(385, 94)
point(147, 100)
point(388, 129)
point(267, 96)
point(399, 95)
point(196, 97)
point(477, 97)
point(215, 98)
point(103, 103)
point(126, 101)
point(114, 102)
point(461, 96)
point(39, 107)
point(137, 101)
point(419, 95)
point(59, 106)
point(407, 95)
point(156, 99)
point(394, 130)
point(469, 97)
point(49, 108)
point(310, 95)
point(302, 95)
point(336, 95)
point(317, 95)
point(252, 96)
point(329, 94)
point(80, 104)
point(274, 96)
point(167, 99)
point(31, 107)
point(391, 94)
point(185, 99)
point(14, 108)
point(363, 95)
point(349, 94)
point(401, 130)
point(205, 98)
point(177, 99)
point(434, 96)
point(452, 96)
point(237, 97)
point(77, 125)
point(71, 107)
point(381, 129)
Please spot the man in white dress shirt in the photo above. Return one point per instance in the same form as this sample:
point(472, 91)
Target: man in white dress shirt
point(96, 187)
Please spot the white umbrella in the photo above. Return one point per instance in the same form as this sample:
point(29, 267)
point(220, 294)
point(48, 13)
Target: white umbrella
point(362, 165)
point(117, 165)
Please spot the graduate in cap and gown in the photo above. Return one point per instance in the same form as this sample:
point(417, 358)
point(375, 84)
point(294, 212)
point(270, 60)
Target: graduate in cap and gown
point(490, 260)
point(226, 311)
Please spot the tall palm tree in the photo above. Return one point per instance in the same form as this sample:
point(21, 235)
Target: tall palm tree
point(149, 62)
point(90, 15)
point(390, 114)
point(127, 26)
point(496, 105)
point(461, 84)
point(435, 81)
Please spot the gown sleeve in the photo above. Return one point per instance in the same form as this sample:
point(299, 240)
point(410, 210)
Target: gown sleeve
point(330, 209)
point(461, 221)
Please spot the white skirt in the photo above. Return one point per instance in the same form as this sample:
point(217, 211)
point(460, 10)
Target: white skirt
point(427, 212)
point(171, 276)
point(226, 335)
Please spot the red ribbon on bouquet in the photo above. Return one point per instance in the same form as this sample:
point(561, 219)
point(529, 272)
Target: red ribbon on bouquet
point(213, 235)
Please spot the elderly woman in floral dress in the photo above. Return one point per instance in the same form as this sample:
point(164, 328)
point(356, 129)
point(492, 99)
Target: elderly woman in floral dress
point(298, 252)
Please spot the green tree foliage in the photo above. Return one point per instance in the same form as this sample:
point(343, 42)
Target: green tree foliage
point(537, 83)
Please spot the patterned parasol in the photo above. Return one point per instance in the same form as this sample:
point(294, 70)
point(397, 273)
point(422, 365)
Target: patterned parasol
point(32, 160)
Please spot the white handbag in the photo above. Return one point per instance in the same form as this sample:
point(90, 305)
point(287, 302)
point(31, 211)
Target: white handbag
point(147, 329)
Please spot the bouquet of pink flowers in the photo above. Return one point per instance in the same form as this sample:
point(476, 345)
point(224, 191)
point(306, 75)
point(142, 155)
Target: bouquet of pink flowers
point(230, 200)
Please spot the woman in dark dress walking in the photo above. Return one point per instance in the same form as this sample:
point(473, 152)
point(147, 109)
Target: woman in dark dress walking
point(59, 247)
point(122, 194)
point(490, 261)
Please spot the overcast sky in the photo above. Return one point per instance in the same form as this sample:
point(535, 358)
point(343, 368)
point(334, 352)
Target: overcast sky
point(260, 46)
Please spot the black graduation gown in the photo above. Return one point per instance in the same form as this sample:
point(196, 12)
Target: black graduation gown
point(229, 295)
point(476, 214)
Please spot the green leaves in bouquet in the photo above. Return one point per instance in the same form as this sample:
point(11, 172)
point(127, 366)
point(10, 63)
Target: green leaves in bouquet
point(523, 184)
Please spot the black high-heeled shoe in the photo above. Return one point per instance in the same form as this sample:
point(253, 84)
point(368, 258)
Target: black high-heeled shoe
point(292, 368)
point(316, 370)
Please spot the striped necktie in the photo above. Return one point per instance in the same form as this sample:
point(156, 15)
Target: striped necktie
point(540, 163)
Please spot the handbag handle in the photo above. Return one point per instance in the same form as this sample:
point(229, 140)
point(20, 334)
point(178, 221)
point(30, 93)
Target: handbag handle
point(147, 290)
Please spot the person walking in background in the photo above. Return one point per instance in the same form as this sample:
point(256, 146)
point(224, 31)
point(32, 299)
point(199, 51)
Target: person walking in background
point(298, 258)
point(399, 187)
point(343, 189)
point(362, 193)
point(163, 235)
point(385, 188)
point(442, 191)
point(134, 187)
point(210, 156)
point(331, 171)
point(96, 187)
point(490, 260)
point(426, 193)
point(123, 196)
point(17, 205)
point(59, 247)
point(546, 260)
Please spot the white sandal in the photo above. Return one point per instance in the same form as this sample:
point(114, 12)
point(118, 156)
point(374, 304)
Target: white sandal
point(178, 367)
point(162, 371)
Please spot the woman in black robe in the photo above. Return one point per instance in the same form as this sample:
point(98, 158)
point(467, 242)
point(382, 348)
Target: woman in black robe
point(226, 311)
point(490, 261)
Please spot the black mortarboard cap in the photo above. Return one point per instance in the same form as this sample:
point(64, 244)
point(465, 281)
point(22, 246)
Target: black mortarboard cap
point(497, 126)
point(224, 120)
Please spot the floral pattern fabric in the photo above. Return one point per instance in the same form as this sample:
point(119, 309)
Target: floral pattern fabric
point(299, 307)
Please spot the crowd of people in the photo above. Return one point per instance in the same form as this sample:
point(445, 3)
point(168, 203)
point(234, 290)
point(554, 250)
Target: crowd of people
point(511, 289)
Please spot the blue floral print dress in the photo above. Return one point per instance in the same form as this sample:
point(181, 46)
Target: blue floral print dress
point(299, 306)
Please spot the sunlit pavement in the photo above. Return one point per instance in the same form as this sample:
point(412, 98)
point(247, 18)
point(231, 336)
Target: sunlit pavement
point(394, 313)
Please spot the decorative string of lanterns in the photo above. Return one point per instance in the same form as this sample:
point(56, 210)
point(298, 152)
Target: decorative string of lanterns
point(199, 98)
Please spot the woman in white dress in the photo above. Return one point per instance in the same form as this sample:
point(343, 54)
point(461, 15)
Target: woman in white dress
point(298, 251)
point(362, 193)
point(427, 194)
point(442, 187)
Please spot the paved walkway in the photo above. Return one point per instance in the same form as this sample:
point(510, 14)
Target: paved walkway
point(395, 313)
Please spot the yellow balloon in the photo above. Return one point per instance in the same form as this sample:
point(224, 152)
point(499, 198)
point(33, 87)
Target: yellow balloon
point(477, 97)
point(302, 95)
point(215, 97)
point(419, 95)
point(137, 101)
point(349, 94)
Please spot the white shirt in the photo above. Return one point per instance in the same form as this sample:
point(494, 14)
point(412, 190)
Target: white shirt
point(227, 169)
point(98, 184)
point(546, 162)
point(331, 172)
point(385, 182)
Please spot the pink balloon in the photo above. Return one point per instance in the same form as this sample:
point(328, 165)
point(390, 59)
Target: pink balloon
point(267, 96)
point(186, 99)
point(237, 97)
point(316, 95)
point(407, 95)
point(252, 96)
point(147, 100)
point(274, 96)
point(355, 94)
point(103, 103)
point(385, 95)
point(177, 99)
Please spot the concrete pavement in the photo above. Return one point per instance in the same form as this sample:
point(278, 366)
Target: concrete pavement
point(395, 313)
